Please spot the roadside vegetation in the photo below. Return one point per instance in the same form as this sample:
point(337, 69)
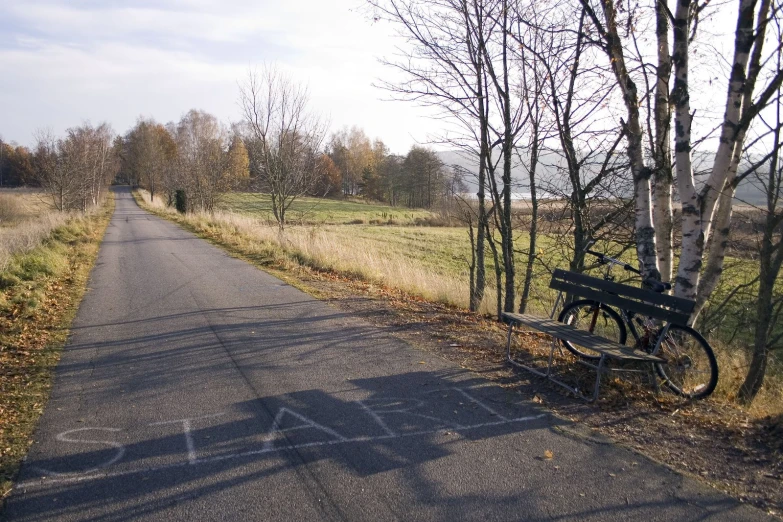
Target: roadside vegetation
point(432, 263)
point(25, 221)
point(46, 259)
point(49, 239)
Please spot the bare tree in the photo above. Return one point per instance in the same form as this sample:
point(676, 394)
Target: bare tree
point(51, 172)
point(288, 137)
point(766, 174)
point(445, 68)
point(202, 146)
point(75, 170)
point(574, 91)
point(706, 214)
point(612, 44)
point(534, 89)
point(145, 153)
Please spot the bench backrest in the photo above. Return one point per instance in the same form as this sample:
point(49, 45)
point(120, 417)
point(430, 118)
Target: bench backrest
point(645, 302)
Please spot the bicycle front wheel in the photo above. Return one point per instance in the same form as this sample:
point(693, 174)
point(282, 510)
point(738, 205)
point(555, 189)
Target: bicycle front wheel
point(691, 369)
point(596, 318)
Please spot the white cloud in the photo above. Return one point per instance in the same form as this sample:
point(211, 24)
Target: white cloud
point(67, 62)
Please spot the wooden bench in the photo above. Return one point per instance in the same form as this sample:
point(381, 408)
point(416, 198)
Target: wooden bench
point(664, 308)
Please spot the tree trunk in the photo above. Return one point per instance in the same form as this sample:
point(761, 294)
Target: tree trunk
point(472, 265)
point(643, 221)
point(662, 177)
point(531, 254)
point(770, 261)
point(508, 141)
point(758, 364)
point(498, 274)
point(481, 225)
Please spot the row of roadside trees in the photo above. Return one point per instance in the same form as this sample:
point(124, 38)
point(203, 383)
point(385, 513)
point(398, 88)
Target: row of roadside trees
point(197, 155)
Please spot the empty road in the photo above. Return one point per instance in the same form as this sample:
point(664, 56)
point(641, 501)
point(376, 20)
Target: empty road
point(197, 387)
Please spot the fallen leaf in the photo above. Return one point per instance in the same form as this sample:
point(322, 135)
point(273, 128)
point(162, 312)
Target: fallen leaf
point(548, 454)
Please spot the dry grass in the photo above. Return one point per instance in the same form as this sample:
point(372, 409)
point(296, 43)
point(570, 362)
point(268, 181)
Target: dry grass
point(25, 222)
point(17, 205)
point(11, 209)
point(733, 366)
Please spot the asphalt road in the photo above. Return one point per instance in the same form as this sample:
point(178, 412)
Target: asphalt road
point(197, 387)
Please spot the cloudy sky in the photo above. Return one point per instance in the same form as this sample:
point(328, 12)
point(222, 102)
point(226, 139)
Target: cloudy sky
point(63, 62)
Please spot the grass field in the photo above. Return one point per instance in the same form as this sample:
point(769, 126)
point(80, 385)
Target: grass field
point(18, 205)
point(319, 211)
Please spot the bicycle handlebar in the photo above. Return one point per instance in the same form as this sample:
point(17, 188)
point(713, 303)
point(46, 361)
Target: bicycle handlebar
point(653, 284)
point(604, 259)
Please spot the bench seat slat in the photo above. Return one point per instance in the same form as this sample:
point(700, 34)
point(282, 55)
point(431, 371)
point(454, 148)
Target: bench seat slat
point(620, 302)
point(679, 304)
point(566, 332)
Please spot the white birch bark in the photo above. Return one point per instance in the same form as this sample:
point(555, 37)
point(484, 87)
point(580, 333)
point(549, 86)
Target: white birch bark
point(698, 209)
point(719, 241)
point(692, 237)
point(662, 190)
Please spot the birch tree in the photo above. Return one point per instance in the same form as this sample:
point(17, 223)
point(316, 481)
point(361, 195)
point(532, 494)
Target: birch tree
point(706, 213)
point(606, 24)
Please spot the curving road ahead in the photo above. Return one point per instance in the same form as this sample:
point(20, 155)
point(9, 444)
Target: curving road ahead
point(196, 387)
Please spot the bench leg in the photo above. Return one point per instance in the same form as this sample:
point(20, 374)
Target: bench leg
point(654, 379)
point(555, 342)
point(508, 340)
point(598, 373)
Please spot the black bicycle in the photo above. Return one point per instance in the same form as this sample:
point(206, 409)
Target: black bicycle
point(690, 369)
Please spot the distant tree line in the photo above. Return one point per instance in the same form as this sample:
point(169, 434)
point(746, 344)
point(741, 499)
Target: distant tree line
point(361, 167)
point(16, 167)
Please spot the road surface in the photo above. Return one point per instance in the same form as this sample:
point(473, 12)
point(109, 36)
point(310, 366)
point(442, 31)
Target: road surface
point(197, 387)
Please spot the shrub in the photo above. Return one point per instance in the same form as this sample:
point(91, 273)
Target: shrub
point(181, 201)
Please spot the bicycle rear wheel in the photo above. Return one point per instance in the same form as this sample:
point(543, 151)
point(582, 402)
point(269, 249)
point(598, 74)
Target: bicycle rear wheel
point(691, 369)
point(596, 318)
